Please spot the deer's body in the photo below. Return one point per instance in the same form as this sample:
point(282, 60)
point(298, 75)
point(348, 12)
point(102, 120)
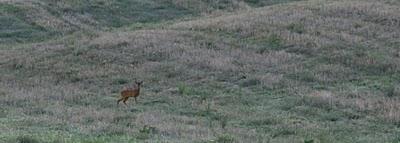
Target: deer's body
point(130, 92)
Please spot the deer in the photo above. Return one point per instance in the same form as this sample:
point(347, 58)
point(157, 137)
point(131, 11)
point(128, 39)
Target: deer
point(133, 91)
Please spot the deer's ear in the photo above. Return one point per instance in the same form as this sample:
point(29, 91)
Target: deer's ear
point(138, 82)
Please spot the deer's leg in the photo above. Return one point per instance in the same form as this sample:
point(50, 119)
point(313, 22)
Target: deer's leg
point(119, 100)
point(135, 100)
point(125, 99)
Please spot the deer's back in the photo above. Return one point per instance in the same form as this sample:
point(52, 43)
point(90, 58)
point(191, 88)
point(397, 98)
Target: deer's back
point(130, 93)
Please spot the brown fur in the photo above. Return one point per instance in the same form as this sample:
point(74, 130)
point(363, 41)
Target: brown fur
point(130, 92)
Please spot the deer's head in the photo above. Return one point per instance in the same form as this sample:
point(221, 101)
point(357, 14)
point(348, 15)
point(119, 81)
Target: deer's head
point(138, 83)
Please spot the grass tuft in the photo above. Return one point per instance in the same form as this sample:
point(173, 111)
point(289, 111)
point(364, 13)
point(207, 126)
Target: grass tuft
point(27, 139)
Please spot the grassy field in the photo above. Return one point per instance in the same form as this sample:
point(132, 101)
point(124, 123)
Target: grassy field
point(223, 71)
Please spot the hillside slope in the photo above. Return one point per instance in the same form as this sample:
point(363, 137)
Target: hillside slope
point(39, 20)
point(309, 71)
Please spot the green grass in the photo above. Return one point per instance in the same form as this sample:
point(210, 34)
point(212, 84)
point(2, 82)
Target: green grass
point(21, 22)
point(15, 28)
point(213, 71)
point(124, 12)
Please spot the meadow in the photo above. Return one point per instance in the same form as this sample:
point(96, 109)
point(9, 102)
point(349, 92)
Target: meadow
point(213, 71)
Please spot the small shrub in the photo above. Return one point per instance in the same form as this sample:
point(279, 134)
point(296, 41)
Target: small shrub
point(262, 122)
point(297, 28)
point(309, 141)
point(145, 132)
point(306, 76)
point(183, 89)
point(37, 111)
point(122, 119)
point(304, 50)
point(225, 139)
point(79, 51)
point(393, 91)
point(3, 113)
point(390, 91)
point(88, 120)
point(116, 130)
point(318, 102)
point(121, 81)
point(147, 129)
point(353, 115)
point(209, 112)
point(283, 132)
point(331, 116)
point(223, 121)
point(251, 82)
point(272, 42)
point(26, 139)
point(157, 56)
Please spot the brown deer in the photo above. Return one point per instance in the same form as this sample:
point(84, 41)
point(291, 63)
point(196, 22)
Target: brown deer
point(130, 92)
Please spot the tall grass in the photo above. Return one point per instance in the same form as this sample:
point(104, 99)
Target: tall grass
point(312, 71)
